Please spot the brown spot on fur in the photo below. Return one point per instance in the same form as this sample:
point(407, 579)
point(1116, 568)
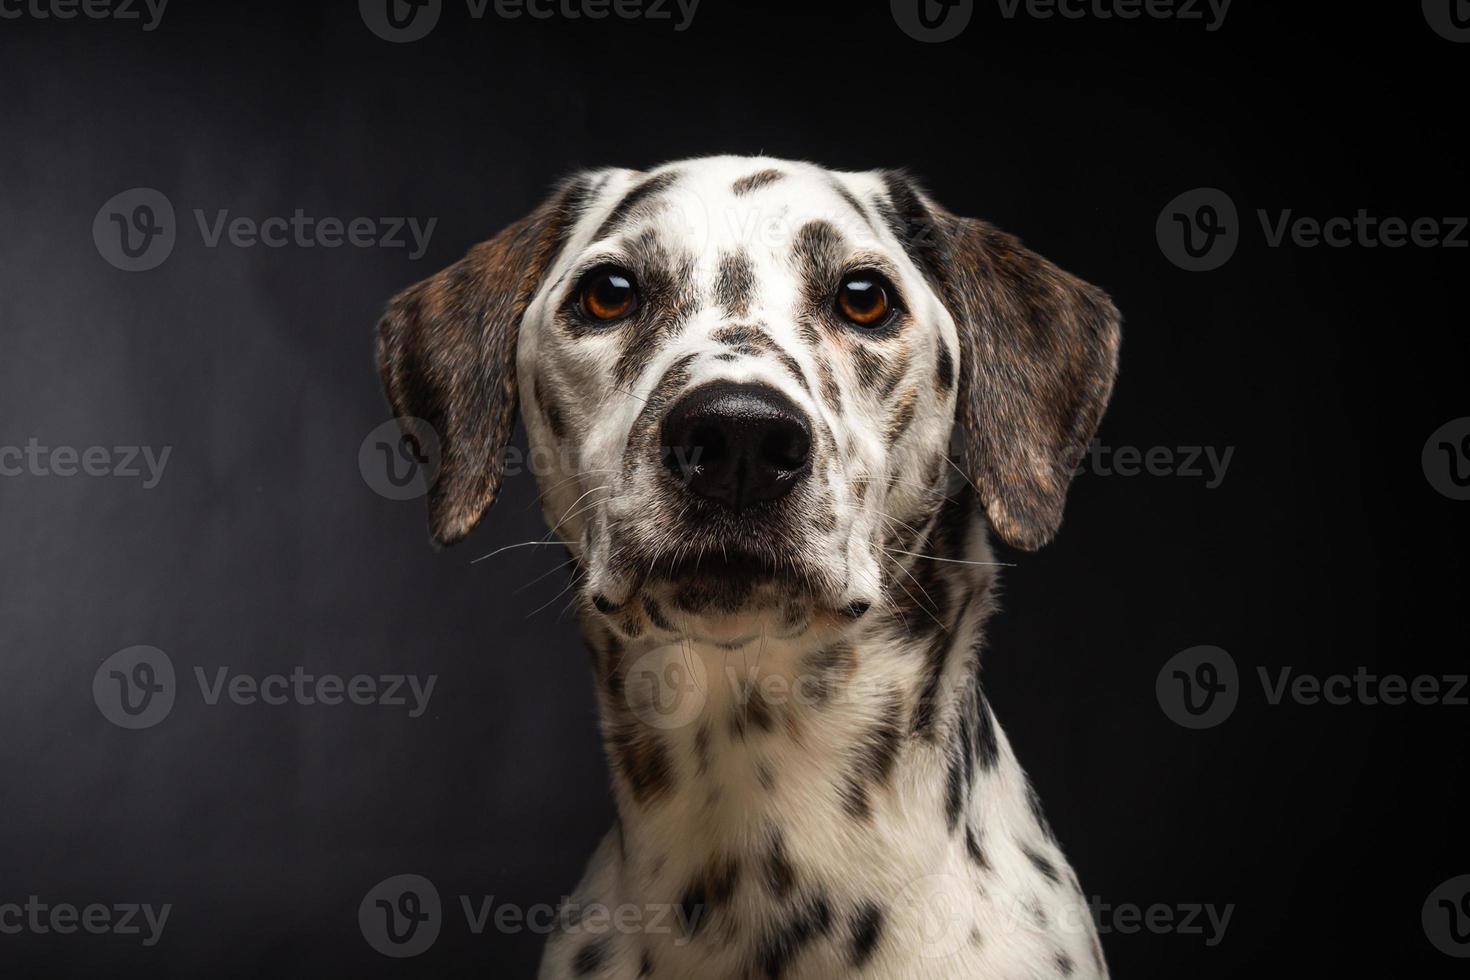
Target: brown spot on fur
point(735, 283)
point(903, 416)
point(549, 408)
point(642, 192)
point(818, 251)
point(643, 761)
point(745, 338)
point(793, 368)
point(755, 181)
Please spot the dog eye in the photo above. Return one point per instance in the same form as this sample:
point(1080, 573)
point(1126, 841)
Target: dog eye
point(608, 294)
point(865, 299)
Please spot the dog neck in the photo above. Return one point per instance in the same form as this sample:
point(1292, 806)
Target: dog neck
point(776, 770)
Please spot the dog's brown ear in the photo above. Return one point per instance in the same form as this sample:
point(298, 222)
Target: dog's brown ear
point(447, 355)
point(1039, 353)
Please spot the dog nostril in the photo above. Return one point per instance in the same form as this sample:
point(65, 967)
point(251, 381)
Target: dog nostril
point(707, 446)
point(787, 447)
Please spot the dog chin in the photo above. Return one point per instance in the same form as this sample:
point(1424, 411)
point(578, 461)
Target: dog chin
point(733, 591)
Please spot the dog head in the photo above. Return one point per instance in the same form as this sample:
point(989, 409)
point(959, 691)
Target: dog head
point(742, 380)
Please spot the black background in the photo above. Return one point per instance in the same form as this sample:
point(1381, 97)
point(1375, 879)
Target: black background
point(1325, 548)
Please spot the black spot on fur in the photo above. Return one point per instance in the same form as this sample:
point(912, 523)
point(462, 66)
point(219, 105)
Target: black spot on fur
point(913, 224)
point(711, 890)
point(867, 930)
point(780, 876)
point(987, 748)
point(1040, 862)
point(975, 850)
point(692, 907)
point(851, 200)
point(826, 670)
point(806, 923)
point(701, 749)
point(875, 758)
point(1065, 965)
point(656, 614)
point(946, 366)
point(589, 958)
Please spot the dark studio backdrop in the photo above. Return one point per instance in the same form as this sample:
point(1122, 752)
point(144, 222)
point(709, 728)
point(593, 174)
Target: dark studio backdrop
point(1330, 540)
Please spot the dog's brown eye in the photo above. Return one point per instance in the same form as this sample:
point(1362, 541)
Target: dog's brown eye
point(609, 294)
point(864, 300)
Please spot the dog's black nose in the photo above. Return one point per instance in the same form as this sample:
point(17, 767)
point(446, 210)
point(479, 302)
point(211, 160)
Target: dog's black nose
point(739, 444)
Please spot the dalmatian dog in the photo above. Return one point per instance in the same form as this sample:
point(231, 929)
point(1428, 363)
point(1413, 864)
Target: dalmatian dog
point(775, 412)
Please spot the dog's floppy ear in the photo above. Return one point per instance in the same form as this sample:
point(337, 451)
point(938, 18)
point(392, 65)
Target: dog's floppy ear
point(1039, 352)
point(447, 355)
